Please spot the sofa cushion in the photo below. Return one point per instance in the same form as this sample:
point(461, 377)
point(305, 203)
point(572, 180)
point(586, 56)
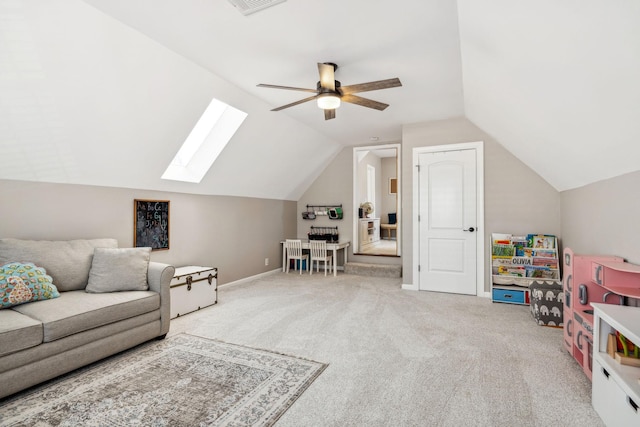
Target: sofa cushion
point(78, 311)
point(119, 269)
point(18, 332)
point(67, 262)
point(21, 283)
point(49, 349)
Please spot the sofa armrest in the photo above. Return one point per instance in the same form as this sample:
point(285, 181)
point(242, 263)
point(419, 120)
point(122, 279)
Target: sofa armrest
point(159, 277)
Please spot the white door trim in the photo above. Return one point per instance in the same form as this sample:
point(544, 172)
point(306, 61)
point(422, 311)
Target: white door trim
point(479, 147)
point(355, 244)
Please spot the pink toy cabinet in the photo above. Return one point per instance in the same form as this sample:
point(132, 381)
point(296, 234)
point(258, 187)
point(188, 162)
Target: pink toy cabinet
point(579, 292)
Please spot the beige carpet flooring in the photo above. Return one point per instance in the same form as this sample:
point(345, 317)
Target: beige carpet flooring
point(403, 358)
point(381, 247)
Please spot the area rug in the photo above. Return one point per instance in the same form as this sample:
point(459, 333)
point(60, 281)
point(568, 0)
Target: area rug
point(183, 380)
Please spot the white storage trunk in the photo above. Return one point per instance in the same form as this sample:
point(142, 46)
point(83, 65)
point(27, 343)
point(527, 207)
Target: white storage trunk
point(192, 288)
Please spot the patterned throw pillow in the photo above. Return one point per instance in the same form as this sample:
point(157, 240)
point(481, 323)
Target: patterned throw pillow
point(24, 282)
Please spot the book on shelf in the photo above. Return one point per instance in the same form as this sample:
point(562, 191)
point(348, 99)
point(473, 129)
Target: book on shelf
point(541, 272)
point(502, 242)
point(504, 270)
point(544, 253)
point(541, 241)
point(546, 262)
point(528, 252)
point(500, 250)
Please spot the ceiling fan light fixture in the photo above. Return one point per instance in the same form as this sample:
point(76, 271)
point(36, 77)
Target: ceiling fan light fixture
point(328, 101)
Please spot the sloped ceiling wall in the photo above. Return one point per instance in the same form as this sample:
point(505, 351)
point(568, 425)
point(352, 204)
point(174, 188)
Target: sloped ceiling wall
point(103, 92)
point(85, 99)
point(556, 83)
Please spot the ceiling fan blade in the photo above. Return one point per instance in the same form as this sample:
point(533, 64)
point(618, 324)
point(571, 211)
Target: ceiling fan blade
point(365, 87)
point(295, 103)
point(327, 76)
point(353, 99)
point(288, 88)
point(330, 114)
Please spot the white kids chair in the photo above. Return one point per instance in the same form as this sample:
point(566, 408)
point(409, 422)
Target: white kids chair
point(294, 251)
point(318, 249)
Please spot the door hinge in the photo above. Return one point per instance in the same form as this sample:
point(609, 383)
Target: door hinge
point(418, 166)
point(418, 267)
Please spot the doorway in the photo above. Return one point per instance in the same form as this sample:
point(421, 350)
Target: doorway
point(376, 200)
point(449, 220)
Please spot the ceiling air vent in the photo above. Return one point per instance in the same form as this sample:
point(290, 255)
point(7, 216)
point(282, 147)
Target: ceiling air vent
point(247, 7)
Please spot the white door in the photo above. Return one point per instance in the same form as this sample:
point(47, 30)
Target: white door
point(447, 221)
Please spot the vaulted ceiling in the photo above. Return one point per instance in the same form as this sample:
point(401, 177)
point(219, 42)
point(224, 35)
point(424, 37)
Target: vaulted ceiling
point(103, 92)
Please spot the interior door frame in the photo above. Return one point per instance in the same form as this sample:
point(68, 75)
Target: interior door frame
point(398, 147)
point(480, 246)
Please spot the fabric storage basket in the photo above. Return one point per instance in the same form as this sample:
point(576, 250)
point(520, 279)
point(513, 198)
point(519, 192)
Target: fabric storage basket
point(547, 303)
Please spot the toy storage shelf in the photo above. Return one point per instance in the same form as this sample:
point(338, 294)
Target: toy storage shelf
point(518, 261)
point(616, 387)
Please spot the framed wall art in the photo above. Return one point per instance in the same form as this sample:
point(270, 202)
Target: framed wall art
point(393, 185)
point(151, 224)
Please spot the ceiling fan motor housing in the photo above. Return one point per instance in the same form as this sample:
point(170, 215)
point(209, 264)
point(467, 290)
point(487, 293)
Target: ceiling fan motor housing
point(335, 66)
point(323, 90)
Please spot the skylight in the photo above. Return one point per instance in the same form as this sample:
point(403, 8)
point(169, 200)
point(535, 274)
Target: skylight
point(207, 139)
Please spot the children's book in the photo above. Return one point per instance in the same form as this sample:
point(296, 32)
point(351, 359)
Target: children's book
point(511, 271)
point(503, 250)
point(541, 241)
point(540, 272)
point(519, 242)
point(545, 253)
point(546, 262)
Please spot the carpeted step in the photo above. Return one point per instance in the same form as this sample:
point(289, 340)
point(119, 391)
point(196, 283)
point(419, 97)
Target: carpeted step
point(376, 270)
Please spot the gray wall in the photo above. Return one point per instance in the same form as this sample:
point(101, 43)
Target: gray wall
point(235, 234)
point(604, 217)
point(517, 200)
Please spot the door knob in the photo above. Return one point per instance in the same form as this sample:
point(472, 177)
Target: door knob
point(470, 229)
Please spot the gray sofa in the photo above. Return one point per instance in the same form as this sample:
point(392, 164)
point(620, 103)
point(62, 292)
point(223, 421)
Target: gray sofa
point(95, 316)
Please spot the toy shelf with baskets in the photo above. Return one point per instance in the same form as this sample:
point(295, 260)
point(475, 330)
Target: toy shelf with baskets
point(518, 261)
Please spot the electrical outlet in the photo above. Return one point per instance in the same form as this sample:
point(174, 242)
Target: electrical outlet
point(266, 261)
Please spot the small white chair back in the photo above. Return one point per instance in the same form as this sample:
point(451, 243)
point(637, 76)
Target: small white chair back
point(318, 249)
point(294, 248)
point(294, 252)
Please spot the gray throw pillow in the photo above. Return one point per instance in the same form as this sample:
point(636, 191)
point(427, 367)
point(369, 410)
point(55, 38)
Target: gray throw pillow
point(119, 269)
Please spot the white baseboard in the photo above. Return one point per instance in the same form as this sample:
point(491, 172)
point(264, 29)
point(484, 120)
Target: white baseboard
point(251, 278)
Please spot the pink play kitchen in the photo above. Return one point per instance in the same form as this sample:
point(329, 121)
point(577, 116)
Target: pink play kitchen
point(602, 331)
